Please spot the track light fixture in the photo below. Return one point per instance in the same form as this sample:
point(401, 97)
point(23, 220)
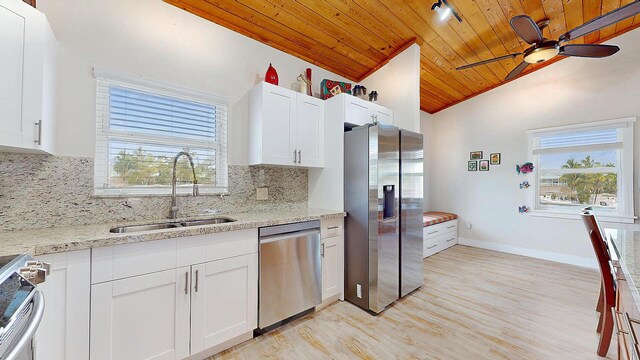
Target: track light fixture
point(444, 10)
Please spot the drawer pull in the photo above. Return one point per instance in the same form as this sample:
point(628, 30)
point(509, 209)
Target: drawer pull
point(186, 283)
point(433, 232)
point(197, 278)
point(451, 227)
point(431, 247)
point(333, 227)
point(450, 240)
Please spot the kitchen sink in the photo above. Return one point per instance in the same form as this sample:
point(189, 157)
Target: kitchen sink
point(219, 220)
point(171, 225)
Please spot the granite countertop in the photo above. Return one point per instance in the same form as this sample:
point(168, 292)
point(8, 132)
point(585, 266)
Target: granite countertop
point(627, 246)
point(61, 239)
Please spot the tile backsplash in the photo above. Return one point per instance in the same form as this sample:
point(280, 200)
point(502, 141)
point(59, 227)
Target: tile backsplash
point(38, 191)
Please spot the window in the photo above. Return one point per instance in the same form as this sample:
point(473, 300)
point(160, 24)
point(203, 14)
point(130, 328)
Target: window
point(140, 128)
point(584, 165)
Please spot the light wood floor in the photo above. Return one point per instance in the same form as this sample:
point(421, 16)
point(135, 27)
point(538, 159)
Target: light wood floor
point(475, 304)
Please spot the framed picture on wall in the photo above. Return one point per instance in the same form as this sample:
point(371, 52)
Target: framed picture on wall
point(475, 155)
point(494, 159)
point(473, 166)
point(484, 165)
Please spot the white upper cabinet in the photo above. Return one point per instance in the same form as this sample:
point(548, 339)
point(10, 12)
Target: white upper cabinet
point(27, 70)
point(310, 131)
point(360, 112)
point(285, 127)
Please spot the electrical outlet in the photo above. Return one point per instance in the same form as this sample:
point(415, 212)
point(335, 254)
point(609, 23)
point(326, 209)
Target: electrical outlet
point(469, 225)
point(262, 193)
point(359, 291)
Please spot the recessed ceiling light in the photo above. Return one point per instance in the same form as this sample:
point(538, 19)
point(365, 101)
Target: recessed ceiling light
point(444, 10)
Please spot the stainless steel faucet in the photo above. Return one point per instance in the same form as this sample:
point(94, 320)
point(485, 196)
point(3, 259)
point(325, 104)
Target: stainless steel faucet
point(174, 204)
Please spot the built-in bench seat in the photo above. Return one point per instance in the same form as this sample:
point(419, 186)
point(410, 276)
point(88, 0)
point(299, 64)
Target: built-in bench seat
point(440, 231)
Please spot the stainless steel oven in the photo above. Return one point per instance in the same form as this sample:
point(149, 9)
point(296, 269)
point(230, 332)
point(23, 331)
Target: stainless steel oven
point(21, 305)
point(290, 272)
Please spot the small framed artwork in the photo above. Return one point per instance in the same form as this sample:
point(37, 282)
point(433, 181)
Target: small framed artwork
point(475, 155)
point(494, 159)
point(473, 166)
point(484, 165)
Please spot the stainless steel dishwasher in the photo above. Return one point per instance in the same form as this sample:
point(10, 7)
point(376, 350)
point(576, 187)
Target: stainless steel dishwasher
point(290, 272)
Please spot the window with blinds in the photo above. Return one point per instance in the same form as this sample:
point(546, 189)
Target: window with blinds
point(584, 165)
point(140, 128)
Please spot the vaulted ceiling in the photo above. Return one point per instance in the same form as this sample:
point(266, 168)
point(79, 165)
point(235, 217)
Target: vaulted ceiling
point(353, 38)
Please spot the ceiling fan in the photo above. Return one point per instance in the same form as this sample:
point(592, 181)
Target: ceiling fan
point(543, 49)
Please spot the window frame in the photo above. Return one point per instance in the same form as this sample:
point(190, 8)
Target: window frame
point(625, 209)
point(106, 79)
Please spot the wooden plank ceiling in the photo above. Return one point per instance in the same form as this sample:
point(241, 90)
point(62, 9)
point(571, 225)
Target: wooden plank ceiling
point(354, 37)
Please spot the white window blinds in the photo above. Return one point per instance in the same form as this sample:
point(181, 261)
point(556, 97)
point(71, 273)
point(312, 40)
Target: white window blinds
point(140, 128)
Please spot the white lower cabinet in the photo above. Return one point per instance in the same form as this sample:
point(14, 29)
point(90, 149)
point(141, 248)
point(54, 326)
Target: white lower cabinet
point(175, 298)
point(332, 260)
point(142, 317)
point(224, 301)
point(64, 330)
point(439, 237)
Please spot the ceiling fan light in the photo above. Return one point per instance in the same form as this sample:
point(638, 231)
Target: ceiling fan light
point(443, 12)
point(541, 54)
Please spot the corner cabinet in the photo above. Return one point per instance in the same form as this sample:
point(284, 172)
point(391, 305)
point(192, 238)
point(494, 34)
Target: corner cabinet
point(27, 70)
point(286, 128)
point(64, 330)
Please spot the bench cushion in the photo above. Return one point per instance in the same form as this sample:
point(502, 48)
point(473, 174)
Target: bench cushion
point(436, 217)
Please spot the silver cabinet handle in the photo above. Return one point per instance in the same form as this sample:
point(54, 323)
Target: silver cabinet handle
point(451, 227)
point(197, 278)
point(39, 125)
point(451, 239)
point(186, 283)
point(322, 250)
point(299, 156)
point(295, 157)
point(433, 232)
point(332, 227)
point(431, 247)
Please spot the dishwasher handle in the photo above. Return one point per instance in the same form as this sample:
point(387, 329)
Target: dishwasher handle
point(287, 236)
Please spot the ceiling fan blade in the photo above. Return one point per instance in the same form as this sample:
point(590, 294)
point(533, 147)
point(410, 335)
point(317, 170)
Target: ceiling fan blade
point(605, 20)
point(526, 28)
point(588, 50)
point(515, 72)
point(510, 56)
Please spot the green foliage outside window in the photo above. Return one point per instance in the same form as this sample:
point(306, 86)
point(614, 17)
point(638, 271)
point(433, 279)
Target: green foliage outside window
point(585, 188)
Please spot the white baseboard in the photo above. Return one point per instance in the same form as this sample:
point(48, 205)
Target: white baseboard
point(538, 254)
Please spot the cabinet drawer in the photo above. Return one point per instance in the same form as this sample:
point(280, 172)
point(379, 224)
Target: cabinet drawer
point(439, 229)
point(122, 261)
point(439, 243)
point(331, 227)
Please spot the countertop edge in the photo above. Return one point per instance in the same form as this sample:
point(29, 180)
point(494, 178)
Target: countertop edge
point(120, 239)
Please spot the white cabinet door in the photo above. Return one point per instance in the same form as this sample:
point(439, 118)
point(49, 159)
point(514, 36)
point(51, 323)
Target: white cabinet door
point(27, 79)
point(384, 116)
point(310, 131)
point(12, 41)
point(279, 125)
point(64, 330)
point(142, 317)
point(332, 266)
point(358, 112)
point(224, 300)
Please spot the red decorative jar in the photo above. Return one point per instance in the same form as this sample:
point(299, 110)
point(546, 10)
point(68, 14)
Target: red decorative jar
point(271, 76)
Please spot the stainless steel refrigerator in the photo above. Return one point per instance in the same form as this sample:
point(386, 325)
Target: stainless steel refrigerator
point(383, 229)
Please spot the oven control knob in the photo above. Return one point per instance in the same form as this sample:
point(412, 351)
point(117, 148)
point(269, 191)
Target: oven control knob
point(39, 265)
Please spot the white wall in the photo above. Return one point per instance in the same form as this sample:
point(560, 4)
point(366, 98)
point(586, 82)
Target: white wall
point(571, 91)
point(398, 86)
point(426, 128)
point(160, 42)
